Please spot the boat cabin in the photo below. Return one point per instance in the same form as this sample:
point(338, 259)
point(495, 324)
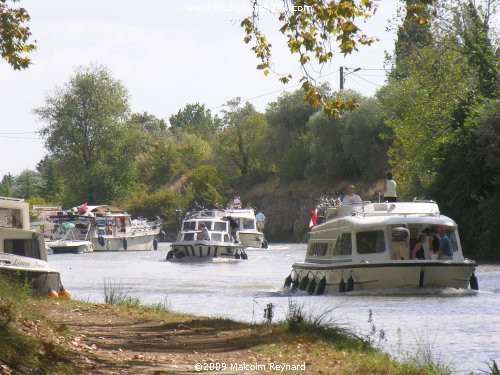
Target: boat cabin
point(217, 229)
point(16, 237)
point(378, 232)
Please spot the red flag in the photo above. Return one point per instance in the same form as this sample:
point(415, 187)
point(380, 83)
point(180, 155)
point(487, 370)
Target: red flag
point(82, 209)
point(314, 215)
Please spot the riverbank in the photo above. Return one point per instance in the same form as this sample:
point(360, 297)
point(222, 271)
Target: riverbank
point(67, 337)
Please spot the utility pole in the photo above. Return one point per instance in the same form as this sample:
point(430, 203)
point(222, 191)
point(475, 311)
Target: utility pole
point(341, 78)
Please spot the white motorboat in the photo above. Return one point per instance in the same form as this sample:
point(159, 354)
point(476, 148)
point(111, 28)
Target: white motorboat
point(248, 234)
point(22, 250)
point(71, 237)
point(112, 229)
point(361, 247)
point(215, 242)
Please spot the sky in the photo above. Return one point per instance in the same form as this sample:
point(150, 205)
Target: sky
point(167, 54)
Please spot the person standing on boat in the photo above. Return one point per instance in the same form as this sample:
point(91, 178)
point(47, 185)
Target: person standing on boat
point(390, 194)
point(203, 232)
point(350, 197)
point(261, 221)
point(233, 224)
point(445, 248)
point(236, 202)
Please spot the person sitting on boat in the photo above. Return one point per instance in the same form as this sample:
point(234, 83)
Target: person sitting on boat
point(418, 250)
point(261, 221)
point(236, 202)
point(233, 224)
point(390, 189)
point(445, 249)
point(433, 243)
point(351, 197)
point(400, 237)
point(203, 232)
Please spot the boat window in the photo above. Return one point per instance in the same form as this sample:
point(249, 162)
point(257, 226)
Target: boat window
point(27, 248)
point(318, 248)
point(216, 237)
point(188, 236)
point(208, 224)
point(189, 225)
point(453, 238)
point(370, 242)
point(10, 218)
point(343, 246)
point(248, 224)
point(220, 226)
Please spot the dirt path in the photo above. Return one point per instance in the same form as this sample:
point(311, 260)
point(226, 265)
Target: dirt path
point(106, 342)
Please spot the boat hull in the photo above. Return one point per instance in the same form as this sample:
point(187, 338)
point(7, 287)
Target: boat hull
point(251, 239)
point(203, 250)
point(30, 271)
point(137, 242)
point(389, 275)
point(70, 247)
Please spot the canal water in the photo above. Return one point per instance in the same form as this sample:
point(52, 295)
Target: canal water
point(460, 327)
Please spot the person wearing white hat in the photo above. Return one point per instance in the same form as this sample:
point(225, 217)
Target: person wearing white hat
point(351, 197)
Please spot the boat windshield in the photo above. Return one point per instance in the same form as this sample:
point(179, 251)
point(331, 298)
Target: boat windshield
point(220, 226)
point(10, 218)
point(189, 225)
point(248, 224)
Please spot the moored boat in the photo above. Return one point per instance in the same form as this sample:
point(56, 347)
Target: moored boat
point(22, 250)
point(71, 237)
point(368, 246)
point(112, 229)
point(204, 235)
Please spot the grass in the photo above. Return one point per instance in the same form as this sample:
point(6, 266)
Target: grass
point(117, 294)
point(27, 340)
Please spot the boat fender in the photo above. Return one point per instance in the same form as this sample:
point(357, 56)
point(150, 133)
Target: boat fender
point(237, 255)
point(312, 286)
point(295, 284)
point(125, 244)
point(155, 244)
point(101, 241)
point(321, 286)
point(303, 283)
point(64, 293)
point(350, 284)
point(288, 281)
point(342, 286)
point(264, 244)
point(474, 285)
point(244, 255)
point(52, 294)
point(170, 255)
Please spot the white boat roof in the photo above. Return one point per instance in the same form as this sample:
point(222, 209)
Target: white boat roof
point(245, 213)
point(368, 214)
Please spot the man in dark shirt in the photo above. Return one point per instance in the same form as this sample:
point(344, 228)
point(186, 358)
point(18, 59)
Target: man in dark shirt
point(233, 224)
point(445, 248)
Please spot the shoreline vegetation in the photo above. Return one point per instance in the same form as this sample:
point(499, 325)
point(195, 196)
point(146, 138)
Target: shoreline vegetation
point(69, 336)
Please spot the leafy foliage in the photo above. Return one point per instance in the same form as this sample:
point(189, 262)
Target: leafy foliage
point(15, 35)
point(311, 28)
point(87, 131)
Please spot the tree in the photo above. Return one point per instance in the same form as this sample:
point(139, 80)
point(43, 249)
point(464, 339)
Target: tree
point(6, 186)
point(53, 185)
point(195, 119)
point(287, 118)
point(311, 28)
point(241, 142)
point(87, 132)
point(15, 35)
point(149, 123)
point(28, 184)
